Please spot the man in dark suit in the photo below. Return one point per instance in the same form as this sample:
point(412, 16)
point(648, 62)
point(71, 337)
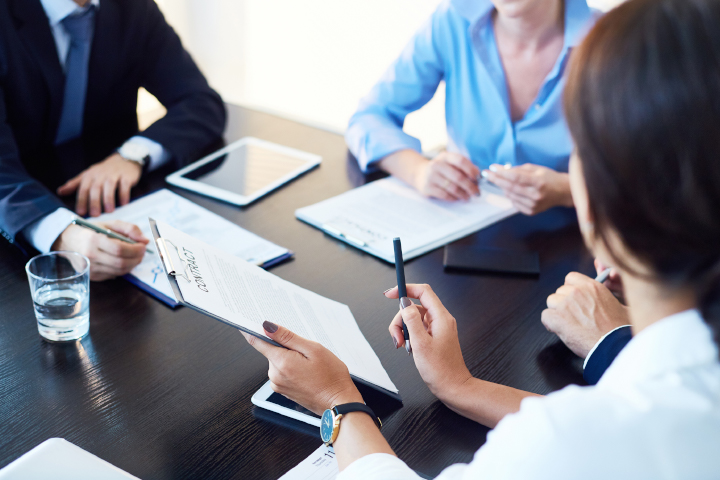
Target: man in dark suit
point(70, 71)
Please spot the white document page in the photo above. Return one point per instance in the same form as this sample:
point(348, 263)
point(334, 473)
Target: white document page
point(197, 221)
point(320, 465)
point(58, 459)
point(376, 213)
point(246, 295)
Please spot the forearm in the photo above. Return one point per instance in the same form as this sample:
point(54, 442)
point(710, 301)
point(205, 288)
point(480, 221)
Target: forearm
point(484, 402)
point(359, 436)
point(404, 164)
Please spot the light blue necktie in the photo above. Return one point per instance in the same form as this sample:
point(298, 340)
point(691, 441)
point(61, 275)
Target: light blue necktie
point(80, 29)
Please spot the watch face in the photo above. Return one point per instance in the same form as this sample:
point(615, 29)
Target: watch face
point(326, 426)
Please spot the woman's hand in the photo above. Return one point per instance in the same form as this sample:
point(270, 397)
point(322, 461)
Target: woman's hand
point(532, 188)
point(305, 372)
point(435, 343)
point(449, 176)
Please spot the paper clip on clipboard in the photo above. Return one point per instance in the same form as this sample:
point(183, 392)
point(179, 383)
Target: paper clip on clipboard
point(167, 260)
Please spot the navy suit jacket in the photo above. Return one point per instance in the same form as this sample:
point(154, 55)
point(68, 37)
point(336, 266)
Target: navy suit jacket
point(132, 47)
point(605, 353)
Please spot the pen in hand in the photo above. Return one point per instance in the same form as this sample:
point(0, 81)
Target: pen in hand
point(602, 276)
point(402, 289)
point(106, 231)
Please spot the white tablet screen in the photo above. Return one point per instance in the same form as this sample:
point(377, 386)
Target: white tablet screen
point(246, 169)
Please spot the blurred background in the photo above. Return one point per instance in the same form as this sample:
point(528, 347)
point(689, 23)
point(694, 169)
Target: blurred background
point(309, 60)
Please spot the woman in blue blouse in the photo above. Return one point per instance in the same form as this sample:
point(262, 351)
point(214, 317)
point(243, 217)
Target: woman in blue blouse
point(502, 62)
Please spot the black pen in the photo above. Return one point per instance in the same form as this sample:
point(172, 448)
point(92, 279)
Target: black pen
point(402, 289)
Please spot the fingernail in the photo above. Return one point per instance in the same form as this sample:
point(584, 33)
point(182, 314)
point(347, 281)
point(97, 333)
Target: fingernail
point(484, 174)
point(270, 327)
point(493, 168)
point(405, 302)
point(387, 290)
point(395, 342)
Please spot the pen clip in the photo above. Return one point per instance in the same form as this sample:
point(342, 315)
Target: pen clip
point(334, 231)
point(167, 260)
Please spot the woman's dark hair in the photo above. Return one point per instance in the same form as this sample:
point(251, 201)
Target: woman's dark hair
point(642, 102)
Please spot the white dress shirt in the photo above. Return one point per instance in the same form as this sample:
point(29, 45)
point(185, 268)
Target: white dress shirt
point(43, 233)
point(655, 414)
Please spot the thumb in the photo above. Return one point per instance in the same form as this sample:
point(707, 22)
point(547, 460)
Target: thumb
point(287, 338)
point(412, 318)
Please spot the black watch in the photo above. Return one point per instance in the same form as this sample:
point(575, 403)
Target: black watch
point(330, 421)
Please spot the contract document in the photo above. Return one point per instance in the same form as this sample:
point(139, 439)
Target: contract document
point(369, 217)
point(243, 295)
point(197, 221)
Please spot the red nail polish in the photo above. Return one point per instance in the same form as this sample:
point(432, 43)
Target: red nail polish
point(387, 290)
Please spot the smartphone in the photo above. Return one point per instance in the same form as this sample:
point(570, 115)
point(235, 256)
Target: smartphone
point(471, 258)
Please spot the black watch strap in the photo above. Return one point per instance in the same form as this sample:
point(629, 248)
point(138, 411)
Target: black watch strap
point(356, 407)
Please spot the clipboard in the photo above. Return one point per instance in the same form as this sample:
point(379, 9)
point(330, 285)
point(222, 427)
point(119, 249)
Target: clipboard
point(381, 400)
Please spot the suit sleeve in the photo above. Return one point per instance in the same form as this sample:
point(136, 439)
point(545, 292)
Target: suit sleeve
point(195, 112)
point(23, 200)
point(604, 352)
point(376, 128)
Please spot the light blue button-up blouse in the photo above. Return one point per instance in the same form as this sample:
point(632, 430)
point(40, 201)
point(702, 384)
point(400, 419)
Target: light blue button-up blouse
point(458, 45)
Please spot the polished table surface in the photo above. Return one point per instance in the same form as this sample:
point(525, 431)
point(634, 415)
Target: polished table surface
point(165, 393)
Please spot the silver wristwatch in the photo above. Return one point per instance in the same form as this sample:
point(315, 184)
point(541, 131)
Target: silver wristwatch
point(135, 153)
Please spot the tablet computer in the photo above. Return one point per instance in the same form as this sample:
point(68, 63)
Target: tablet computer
point(244, 171)
point(269, 400)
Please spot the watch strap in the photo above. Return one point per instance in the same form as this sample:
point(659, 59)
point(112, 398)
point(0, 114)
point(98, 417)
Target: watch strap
point(346, 408)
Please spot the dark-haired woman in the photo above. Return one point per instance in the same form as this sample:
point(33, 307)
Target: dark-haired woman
point(643, 104)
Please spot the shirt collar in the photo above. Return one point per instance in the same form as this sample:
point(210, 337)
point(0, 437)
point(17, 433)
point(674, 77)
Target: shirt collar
point(674, 343)
point(56, 10)
point(577, 16)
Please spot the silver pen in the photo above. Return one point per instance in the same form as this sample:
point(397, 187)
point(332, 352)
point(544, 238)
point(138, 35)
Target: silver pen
point(602, 276)
point(106, 231)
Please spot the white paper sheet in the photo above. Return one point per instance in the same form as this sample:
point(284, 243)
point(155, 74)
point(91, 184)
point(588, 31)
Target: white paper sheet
point(59, 459)
point(320, 465)
point(246, 295)
point(372, 215)
point(197, 221)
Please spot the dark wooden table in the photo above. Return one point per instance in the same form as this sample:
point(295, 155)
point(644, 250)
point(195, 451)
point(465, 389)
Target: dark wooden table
point(165, 394)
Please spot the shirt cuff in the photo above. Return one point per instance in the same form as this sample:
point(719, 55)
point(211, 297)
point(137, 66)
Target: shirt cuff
point(42, 233)
point(379, 466)
point(159, 156)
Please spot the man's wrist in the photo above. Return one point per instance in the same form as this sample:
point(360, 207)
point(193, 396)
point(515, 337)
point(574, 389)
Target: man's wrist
point(348, 396)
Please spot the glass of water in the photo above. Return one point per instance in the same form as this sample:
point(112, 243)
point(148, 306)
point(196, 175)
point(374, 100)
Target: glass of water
point(60, 288)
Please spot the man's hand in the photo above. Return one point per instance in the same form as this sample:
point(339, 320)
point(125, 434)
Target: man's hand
point(97, 185)
point(532, 188)
point(448, 176)
point(581, 312)
point(109, 258)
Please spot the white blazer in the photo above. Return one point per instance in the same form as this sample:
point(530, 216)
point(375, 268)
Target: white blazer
point(655, 414)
